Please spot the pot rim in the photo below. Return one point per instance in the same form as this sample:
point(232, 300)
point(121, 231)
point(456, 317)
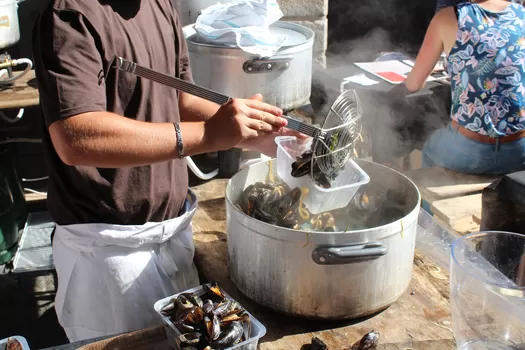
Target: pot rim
point(310, 36)
point(385, 227)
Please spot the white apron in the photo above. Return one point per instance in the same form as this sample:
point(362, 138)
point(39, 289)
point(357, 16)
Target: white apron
point(109, 276)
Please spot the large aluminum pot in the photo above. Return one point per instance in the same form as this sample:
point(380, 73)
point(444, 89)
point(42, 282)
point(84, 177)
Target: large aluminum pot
point(317, 274)
point(9, 29)
point(284, 79)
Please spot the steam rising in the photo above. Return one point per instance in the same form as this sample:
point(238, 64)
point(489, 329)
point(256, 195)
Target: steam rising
point(360, 33)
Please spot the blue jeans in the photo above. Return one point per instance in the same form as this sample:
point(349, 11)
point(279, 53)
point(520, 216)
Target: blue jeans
point(449, 149)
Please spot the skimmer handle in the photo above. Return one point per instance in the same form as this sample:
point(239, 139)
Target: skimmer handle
point(199, 91)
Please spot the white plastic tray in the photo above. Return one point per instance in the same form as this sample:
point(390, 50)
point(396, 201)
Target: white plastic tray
point(257, 328)
point(318, 199)
point(22, 341)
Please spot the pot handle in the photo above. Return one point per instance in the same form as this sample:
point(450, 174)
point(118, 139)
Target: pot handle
point(267, 65)
point(348, 254)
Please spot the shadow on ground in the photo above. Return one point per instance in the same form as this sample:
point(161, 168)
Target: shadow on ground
point(27, 304)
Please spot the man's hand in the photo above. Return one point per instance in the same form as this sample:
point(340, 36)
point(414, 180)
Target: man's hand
point(265, 143)
point(240, 120)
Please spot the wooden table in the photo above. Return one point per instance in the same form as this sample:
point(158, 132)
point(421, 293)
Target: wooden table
point(453, 198)
point(22, 94)
point(155, 338)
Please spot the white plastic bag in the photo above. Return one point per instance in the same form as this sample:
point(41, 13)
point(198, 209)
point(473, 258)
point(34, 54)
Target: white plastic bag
point(242, 23)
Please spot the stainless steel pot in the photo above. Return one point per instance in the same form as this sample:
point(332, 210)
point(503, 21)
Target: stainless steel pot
point(9, 27)
point(317, 274)
point(284, 79)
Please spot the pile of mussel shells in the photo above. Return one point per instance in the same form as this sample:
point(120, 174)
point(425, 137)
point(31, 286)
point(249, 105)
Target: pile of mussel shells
point(210, 321)
point(275, 203)
point(278, 204)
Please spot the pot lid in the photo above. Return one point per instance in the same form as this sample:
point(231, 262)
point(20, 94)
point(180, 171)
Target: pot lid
point(295, 34)
point(293, 37)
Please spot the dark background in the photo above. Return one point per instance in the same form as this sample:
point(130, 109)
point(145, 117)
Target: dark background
point(401, 23)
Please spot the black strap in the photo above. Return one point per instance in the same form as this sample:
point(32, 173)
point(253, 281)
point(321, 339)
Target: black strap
point(53, 234)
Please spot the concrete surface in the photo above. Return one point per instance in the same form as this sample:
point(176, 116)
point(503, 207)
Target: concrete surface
point(304, 8)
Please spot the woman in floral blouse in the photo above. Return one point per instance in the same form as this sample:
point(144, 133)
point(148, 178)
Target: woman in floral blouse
point(485, 46)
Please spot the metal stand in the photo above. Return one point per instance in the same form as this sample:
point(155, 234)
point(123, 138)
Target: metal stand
point(4, 59)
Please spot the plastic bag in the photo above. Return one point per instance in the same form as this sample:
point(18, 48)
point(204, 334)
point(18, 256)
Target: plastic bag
point(244, 24)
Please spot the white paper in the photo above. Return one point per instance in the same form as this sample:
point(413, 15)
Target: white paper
point(244, 24)
point(402, 68)
point(385, 66)
point(409, 62)
point(361, 79)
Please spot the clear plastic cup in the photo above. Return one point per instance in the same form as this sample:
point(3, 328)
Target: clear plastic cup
point(487, 291)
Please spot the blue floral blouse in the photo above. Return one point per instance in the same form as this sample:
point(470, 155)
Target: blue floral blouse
point(486, 66)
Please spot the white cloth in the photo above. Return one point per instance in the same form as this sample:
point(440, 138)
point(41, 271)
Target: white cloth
point(242, 23)
point(109, 276)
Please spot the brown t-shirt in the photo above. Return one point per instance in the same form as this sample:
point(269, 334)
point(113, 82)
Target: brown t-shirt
point(75, 42)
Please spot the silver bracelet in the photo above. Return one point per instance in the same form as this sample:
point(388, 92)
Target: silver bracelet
point(180, 145)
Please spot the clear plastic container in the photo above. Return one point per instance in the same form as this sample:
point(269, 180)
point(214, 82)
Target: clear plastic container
point(257, 328)
point(20, 339)
point(318, 199)
point(487, 291)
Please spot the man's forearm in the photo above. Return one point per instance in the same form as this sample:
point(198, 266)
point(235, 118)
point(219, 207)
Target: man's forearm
point(196, 109)
point(107, 140)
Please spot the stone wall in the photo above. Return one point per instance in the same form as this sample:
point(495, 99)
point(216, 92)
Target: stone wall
point(310, 13)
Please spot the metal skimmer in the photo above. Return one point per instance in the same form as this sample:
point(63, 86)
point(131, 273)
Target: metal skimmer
point(333, 144)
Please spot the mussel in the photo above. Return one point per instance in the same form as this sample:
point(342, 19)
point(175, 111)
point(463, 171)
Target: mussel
point(306, 164)
point(193, 298)
point(209, 321)
point(226, 307)
point(169, 308)
point(230, 336)
point(318, 344)
point(184, 328)
point(275, 204)
point(369, 341)
point(302, 165)
point(213, 326)
point(214, 292)
point(235, 315)
point(190, 338)
point(207, 306)
point(182, 303)
point(191, 318)
point(177, 306)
